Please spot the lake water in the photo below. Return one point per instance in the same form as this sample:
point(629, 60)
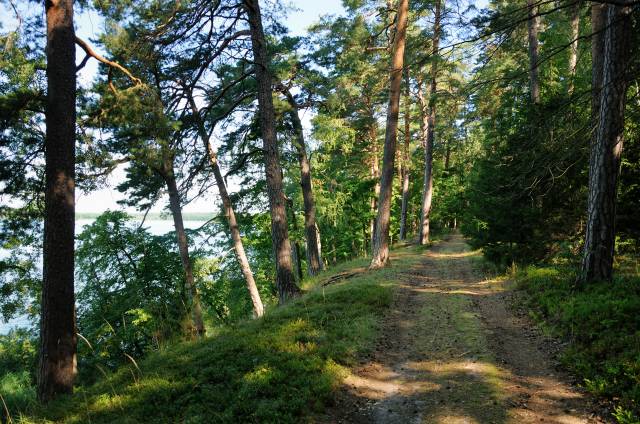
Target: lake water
point(156, 227)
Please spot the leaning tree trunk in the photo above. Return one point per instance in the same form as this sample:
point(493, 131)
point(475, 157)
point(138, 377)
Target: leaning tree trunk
point(227, 206)
point(405, 159)
point(285, 280)
point(573, 50)
point(533, 24)
point(58, 325)
point(195, 310)
point(314, 262)
point(381, 246)
point(604, 164)
point(428, 124)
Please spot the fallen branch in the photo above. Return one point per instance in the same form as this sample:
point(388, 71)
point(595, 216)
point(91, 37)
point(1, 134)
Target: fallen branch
point(340, 276)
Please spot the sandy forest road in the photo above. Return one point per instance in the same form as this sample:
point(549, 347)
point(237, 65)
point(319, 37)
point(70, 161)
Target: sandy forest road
point(451, 351)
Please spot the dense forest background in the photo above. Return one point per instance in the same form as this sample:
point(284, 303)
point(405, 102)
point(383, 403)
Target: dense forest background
point(387, 124)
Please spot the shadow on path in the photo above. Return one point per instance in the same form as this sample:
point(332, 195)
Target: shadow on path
point(450, 351)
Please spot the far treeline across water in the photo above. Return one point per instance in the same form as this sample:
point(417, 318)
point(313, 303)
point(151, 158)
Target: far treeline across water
point(151, 216)
point(335, 160)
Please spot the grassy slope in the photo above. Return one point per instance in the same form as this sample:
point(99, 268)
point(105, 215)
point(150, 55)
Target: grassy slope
point(602, 324)
point(282, 368)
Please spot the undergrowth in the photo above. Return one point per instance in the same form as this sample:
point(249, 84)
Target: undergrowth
point(282, 368)
point(601, 323)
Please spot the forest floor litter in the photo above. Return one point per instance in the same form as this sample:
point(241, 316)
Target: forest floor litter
point(452, 349)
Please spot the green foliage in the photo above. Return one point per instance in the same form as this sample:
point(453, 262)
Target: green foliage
point(17, 370)
point(131, 298)
point(17, 352)
point(18, 391)
point(602, 323)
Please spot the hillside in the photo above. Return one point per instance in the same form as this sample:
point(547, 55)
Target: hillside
point(427, 339)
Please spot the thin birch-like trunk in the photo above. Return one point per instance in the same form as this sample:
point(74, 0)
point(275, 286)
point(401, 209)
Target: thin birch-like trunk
point(227, 205)
point(405, 159)
point(573, 48)
point(194, 308)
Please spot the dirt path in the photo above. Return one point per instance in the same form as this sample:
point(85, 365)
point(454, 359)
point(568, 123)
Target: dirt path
point(452, 352)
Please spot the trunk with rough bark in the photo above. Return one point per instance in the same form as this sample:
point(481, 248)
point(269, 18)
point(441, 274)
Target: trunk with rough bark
point(573, 48)
point(428, 128)
point(604, 164)
point(57, 369)
point(427, 183)
point(296, 257)
point(312, 237)
point(598, 18)
point(381, 246)
point(533, 24)
point(374, 172)
point(227, 206)
point(285, 280)
point(194, 308)
point(405, 159)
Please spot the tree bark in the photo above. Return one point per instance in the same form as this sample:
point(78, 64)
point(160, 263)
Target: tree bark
point(598, 18)
point(533, 24)
point(573, 49)
point(295, 246)
point(405, 159)
point(381, 245)
point(427, 183)
point(374, 172)
point(227, 206)
point(58, 338)
point(428, 126)
point(285, 280)
point(312, 237)
point(604, 164)
point(195, 309)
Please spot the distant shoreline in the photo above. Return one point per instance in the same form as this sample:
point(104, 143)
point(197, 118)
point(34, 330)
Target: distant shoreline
point(153, 216)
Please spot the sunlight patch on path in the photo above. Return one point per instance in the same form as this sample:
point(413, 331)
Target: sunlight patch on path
point(436, 361)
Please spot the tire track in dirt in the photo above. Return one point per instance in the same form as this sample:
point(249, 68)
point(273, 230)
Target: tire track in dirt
point(451, 351)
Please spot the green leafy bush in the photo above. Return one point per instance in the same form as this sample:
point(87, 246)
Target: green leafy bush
point(602, 323)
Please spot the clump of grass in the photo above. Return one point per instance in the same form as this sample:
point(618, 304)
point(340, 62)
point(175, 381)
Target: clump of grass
point(17, 391)
point(282, 368)
point(602, 324)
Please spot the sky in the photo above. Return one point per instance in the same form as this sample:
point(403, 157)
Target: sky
point(307, 13)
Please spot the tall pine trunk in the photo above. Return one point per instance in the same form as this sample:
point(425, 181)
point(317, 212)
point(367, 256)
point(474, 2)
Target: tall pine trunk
point(285, 280)
point(194, 307)
point(405, 159)
point(312, 237)
point(428, 126)
point(374, 172)
point(229, 214)
point(58, 339)
point(533, 24)
point(598, 18)
point(573, 49)
point(604, 164)
point(381, 243)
